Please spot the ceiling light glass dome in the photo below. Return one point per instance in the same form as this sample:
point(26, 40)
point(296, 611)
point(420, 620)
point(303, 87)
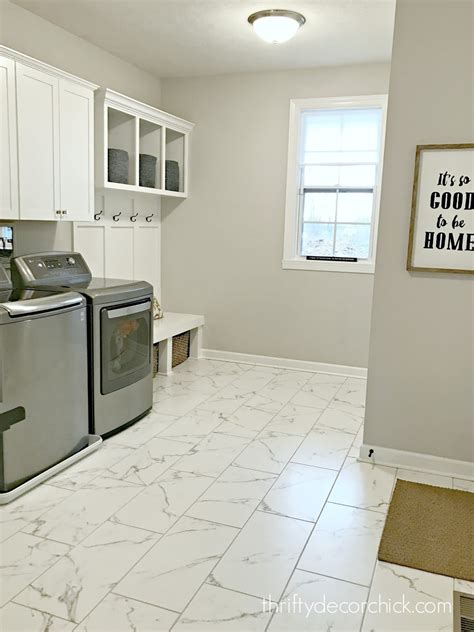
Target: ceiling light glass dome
point(276, 25)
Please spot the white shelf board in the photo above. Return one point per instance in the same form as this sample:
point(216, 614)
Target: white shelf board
point(133, 188)
point(174, 323)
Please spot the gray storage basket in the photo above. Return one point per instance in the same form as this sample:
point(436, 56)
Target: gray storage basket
point(172, 175)
point(118, 166)
point(147, 171)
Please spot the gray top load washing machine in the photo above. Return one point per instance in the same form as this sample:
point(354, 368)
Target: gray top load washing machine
point(43, 380)
point(120, 321)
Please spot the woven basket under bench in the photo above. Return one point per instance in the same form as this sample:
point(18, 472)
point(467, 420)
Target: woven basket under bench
point(179, 353)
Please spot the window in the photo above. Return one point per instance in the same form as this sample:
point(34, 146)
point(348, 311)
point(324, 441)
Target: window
point(334, 173)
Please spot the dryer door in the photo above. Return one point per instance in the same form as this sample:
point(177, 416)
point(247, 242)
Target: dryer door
point(126, 339)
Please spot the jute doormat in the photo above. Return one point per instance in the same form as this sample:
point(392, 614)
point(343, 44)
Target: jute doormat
point(430, 528)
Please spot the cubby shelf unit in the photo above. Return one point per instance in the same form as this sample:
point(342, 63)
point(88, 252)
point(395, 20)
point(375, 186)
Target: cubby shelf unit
point(141, 130)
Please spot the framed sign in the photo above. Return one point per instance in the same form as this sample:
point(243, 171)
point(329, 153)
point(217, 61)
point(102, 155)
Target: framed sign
point(442, 215)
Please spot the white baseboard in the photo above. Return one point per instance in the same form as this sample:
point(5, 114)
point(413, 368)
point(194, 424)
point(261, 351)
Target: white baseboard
point(417, 461)
point(285, 363)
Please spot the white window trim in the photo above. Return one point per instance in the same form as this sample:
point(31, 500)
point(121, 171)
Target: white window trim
point(291, 259)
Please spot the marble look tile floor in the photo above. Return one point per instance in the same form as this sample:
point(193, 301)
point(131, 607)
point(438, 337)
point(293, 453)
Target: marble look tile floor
point(237, 504)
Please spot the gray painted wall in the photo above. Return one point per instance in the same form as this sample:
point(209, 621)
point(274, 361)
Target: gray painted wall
point(421, 382)
point(26, 32)
point(222, 248)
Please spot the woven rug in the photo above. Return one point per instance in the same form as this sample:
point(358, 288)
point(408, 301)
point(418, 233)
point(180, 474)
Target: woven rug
point(430, 528)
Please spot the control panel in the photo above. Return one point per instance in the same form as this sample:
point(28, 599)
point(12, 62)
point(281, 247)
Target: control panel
point(50, 268)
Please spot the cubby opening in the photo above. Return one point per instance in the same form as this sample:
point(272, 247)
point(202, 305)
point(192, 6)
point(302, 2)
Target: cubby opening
point(175, 161)
point(150, 158)
point(121, 148)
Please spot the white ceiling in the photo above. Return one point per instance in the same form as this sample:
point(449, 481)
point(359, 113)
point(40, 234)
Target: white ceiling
point(197, 37)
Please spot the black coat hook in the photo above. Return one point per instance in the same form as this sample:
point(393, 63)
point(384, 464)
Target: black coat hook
point(97, 215)
point(133, 218)
point(149, 217)
point(116, 217)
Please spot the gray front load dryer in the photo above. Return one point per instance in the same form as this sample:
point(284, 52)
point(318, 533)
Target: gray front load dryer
point(43, 381)
point(120, 322)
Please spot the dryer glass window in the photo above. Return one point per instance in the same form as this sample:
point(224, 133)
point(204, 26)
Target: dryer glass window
point(125, 345)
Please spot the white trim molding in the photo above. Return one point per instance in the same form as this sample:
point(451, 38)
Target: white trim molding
point(143, 110)
point(291, 259)
point(26, 60)
point(285, 363)
point(416, 461)
point(325, 266)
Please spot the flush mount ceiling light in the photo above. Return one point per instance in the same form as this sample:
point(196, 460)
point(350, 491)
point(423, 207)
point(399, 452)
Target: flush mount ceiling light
point(276, 25)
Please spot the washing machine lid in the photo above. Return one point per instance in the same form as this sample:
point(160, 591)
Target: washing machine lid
point(29, 303)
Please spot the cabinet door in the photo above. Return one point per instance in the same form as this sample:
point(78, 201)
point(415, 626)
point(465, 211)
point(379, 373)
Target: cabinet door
point(8, 141)
point(76, 137)
point(38, 143)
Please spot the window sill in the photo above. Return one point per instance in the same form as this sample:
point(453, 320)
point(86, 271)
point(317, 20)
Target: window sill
point(328, 266)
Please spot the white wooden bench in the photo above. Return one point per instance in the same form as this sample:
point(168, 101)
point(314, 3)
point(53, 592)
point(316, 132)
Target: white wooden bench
point(171, 325)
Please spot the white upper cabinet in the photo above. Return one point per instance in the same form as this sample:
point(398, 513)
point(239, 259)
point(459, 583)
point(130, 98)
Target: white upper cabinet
point(76, 135)
point(38, 143)
point(140, 148)
point(51, 115)
point(8, 141)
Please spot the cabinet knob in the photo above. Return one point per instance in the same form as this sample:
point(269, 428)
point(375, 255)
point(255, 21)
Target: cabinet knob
point(64, 212)
point(58, 212)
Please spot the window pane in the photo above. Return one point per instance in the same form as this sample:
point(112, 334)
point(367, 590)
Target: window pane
point(322, 130)
point(346, 130)
point(355, 207)
point(352, 241)
point(317, 240)
point(337, 157)
point(357, 176)
point(319, 207)
point(320, 176)
point(360, 129)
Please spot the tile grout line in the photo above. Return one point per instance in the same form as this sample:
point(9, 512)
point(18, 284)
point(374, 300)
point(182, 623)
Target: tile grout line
point(282, 593)
point(171, 467)
point(45, 539)
point(21, 605)
point(374, 511)
point(145, 603)
point(338, 579)
point(246, 522)
point(254, 511)
point(73, 546)
point(171, 526)
point(376, 559)
point(277, 476)
point(239, 529)
point(66, 555)
point(319, 515)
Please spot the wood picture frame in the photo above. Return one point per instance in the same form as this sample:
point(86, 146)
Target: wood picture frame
point(451, 201)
